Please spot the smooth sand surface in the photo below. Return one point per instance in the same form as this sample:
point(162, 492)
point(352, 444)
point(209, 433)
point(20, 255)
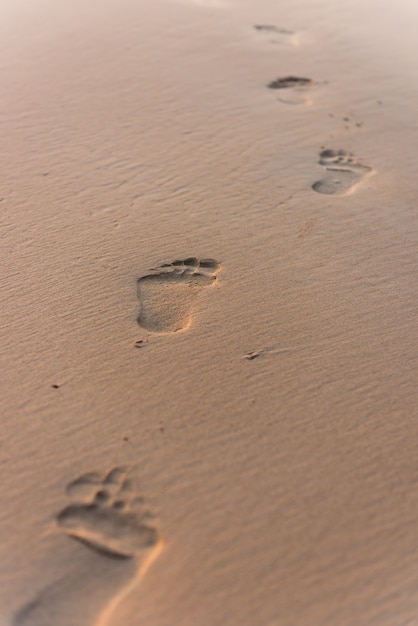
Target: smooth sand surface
point(264, 408)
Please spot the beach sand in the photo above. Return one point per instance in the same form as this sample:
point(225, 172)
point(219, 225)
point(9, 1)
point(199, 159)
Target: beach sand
point(209, 338)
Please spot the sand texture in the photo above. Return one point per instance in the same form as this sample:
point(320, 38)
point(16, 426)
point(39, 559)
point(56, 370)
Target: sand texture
point(208, 313)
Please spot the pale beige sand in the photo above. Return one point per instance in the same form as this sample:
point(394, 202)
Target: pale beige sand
point(274, 438)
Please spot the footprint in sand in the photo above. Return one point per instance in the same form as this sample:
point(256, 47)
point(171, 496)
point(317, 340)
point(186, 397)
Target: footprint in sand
point(343, 173)
point(167, 294)
point(293, 89)
point(276, 35)
point(120, 544)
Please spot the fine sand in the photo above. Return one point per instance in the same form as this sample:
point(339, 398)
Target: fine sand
point(209, 295)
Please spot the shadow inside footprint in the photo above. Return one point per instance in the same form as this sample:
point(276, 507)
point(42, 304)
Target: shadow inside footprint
point(343, 173)
point(289, 81)
point(167, 294)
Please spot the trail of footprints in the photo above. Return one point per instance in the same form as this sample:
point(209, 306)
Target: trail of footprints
point(289, 89)
point(105, 514)
point(342, 171)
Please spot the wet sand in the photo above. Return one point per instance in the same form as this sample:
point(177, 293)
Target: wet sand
point(208, 313)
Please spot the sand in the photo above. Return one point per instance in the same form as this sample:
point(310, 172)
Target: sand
point(209, 338)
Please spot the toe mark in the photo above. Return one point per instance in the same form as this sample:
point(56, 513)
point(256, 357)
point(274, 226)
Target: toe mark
point(102, 496)
point(115, 476)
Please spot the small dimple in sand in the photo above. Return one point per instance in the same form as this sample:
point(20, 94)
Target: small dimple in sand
point(108, 518)
point(343, 173)
point(167, 294)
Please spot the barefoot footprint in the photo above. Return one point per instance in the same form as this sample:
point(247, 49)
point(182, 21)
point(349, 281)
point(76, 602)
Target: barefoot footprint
point(108, 519)
point(276, 35)
point(293, 89)
point(167, 294)
point(343, 173)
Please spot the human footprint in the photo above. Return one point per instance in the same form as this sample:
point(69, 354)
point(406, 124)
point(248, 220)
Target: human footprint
point(343, 173)
point(276, 35)
point(293, 89)
point(120, 545)
point(167, 294)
